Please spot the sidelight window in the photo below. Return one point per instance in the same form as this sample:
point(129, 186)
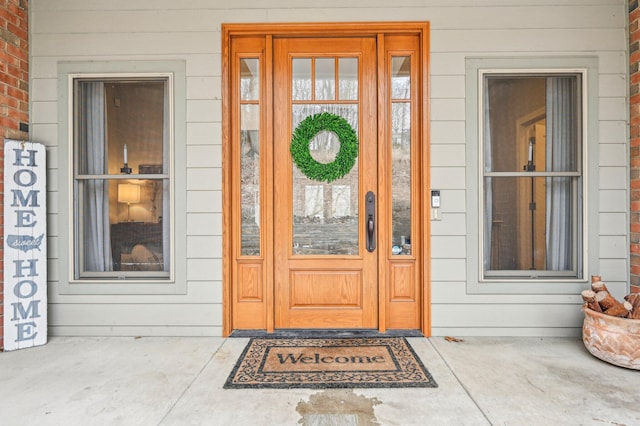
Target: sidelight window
point(401, 155)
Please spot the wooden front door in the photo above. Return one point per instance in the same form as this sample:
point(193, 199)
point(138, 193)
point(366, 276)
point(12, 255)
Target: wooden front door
point(325, 274)
point(325, 176)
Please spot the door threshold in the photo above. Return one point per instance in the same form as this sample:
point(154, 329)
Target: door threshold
point(292, 333)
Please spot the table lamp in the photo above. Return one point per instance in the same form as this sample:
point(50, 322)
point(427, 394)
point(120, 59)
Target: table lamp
point(128, 193)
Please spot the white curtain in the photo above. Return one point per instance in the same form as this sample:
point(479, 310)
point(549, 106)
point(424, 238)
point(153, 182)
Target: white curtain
point(166, 201)
point(561, 156)
point(95, 209)
point(488, 188)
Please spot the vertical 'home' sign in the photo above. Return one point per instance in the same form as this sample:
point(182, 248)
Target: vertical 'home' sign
point(25, 245)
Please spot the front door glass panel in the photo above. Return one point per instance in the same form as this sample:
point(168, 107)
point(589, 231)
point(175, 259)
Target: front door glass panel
point(325, 214)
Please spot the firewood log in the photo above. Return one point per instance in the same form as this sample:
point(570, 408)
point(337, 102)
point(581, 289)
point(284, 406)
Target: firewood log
point(589, 297)
point(599, 286)
point(600, 300)
point(605, 300)
point(633, 298)
point(620, 310)
point(635, 313)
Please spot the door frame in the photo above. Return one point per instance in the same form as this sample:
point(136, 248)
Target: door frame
point(263, 292)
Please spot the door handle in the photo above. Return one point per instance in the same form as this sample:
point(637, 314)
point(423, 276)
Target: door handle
point(370, 212)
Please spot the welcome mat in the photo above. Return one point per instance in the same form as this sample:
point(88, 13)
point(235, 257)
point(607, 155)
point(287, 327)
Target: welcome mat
point(364, 362)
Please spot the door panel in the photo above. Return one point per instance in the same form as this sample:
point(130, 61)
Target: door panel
point(324, 276)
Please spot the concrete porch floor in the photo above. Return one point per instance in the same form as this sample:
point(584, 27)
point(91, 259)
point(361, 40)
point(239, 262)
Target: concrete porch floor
point(178, 381)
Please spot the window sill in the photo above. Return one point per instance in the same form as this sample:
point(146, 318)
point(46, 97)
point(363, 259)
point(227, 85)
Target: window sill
point(527, 286)
point(123, 287)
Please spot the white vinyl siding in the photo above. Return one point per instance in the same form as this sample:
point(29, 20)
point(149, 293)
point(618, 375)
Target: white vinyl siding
point(137, 30)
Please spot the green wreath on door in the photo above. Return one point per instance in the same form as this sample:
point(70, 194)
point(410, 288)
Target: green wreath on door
point(307, 130)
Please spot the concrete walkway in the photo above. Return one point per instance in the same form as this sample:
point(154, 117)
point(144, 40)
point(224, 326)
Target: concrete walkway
point(178, 381)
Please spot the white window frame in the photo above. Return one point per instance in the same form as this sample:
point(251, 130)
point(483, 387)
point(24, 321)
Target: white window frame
point(76, 218)
point(526, 283)
point(173, 282)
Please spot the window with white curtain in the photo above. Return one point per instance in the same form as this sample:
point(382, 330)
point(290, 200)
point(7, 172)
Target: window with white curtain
point(121, 177)
point(532, 175)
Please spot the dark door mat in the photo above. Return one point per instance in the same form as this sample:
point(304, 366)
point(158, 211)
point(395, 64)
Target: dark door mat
point(324, 333)
point(316, 363)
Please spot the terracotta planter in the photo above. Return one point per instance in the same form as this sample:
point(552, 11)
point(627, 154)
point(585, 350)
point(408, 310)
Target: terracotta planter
point(612, 339)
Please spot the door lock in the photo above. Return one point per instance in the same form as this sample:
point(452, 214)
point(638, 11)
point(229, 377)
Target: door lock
point(370, 213)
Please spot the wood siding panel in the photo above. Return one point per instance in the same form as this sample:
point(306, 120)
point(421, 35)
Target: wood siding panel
point(613, 201)
point(614, 178)
point(508, 332)
point(613, 224)
point(94, 45)
point(198, 292)
point(132, 331)
point(83, 30)
point(613, 155)
point(203, 156)
point(444, 132)
point(615, 269)
point(613, 108)
point(448, 270)
point(205, 247)
point(142, 21)
point(204, 224)
point(448, 247)
point(448, 177)
point(204, 201)
point(451, 224)
point(456, 201)
point(519, 315)
point(291, 4)
point(449, 155)
point(453, 292)
point(204, 269)
point(133, 314)
point(612, 132)
point(547, 40)
point(613, 246)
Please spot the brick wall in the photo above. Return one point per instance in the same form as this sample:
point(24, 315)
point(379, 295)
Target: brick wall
point(14, 95)
point(634, 132)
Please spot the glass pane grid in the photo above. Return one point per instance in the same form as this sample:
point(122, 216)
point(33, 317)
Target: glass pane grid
point(249, 79)
point(324, 79)
point(401, 77)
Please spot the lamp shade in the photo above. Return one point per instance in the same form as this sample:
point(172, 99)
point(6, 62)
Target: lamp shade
point(128, 193)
